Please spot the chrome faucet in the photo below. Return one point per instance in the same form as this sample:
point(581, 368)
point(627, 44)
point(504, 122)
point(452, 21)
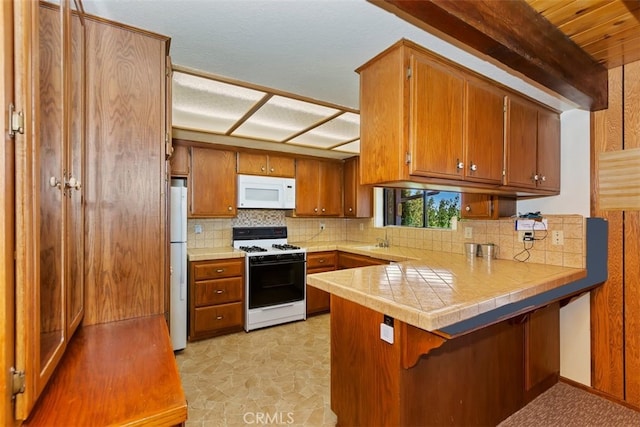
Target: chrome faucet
point(382, 243)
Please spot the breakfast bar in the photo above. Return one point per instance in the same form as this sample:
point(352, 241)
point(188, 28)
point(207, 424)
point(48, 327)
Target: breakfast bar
point(398, 347)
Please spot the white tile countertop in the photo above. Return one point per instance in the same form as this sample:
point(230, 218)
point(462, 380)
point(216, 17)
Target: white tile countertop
point(432, 290)
point(426, 289)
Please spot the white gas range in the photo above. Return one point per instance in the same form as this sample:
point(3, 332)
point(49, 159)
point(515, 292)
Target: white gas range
point(275, 276)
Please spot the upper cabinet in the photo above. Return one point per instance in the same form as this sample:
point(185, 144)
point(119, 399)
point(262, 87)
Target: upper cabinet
point(358, 199)
point(212, 183)
point(180, 160)
point(533, 147)
point(318, 187)
point(266, 164)
point(436, 123)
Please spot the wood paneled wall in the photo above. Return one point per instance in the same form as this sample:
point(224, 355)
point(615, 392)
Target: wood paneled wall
point(615, 306)
point(125, 176)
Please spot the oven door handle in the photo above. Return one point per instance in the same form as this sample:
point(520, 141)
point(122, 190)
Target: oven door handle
point(278, 262)
point(274, 307)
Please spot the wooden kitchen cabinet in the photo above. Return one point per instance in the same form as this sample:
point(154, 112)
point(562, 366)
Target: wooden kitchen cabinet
point(318, 262)
point(485, 206)
point(212, 183)
point(358, 199)
point(266, 164)
point(541, 349)
point(318, 187)
point(533, 146)
point(349, 260)
point(425, 119)
point(484, 124)
point(180, 160)
point(216, 297)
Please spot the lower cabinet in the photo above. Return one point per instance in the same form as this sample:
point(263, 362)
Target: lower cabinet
point(317, 299)
point(216, 295)
point(348, 260)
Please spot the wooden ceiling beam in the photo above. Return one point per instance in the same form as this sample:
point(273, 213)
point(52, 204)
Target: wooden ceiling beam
point(513, 34)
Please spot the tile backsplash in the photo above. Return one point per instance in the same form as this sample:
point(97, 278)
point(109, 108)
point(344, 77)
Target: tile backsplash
point(217, 233)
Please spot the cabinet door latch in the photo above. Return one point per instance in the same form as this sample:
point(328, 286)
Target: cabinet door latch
point(16, 121)
point(18, 382)
point(407, 158)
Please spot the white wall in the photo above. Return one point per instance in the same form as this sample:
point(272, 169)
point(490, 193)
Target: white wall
point(574, 198)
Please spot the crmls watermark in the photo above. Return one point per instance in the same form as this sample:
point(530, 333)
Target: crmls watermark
point(267, 418)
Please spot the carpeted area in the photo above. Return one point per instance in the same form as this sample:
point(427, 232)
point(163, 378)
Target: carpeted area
point(565, 405)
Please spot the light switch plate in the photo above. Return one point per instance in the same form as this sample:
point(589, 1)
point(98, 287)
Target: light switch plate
point(386, 333)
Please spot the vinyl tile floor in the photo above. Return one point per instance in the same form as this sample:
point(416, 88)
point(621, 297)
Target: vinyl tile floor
point(281, 376)
point(273, 376)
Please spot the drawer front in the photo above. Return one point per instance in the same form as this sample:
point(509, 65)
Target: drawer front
point(321, 259)
point(218, 269)
point(219, 291)
point(218, 317)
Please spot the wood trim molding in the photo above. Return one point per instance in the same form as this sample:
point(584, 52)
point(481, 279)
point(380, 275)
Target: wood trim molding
point(504, 31)
point(618, 177)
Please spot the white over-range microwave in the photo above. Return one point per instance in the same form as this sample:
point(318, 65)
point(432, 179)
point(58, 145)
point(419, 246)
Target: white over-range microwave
point(266, 192)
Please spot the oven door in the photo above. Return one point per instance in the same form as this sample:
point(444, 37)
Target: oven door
point(276, 279)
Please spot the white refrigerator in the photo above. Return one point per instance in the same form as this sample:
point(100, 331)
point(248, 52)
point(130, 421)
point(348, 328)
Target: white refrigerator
point(178, 305)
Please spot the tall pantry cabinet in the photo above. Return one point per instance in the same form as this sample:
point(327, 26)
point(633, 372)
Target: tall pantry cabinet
point(90, 177)
point(126, 172)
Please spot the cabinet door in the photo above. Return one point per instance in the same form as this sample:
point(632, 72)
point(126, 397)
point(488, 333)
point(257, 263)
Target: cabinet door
point(282, 166)
point(307, 178)
point(212, 187)
point(548, 150)
point(252, 163)
point(484, 133)
point(476, 206)
point(436, 119)
point(521, 143)
point(330, 189)
point(180, 160)
point(358, 199)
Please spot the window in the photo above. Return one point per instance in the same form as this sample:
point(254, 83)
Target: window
point(420, 208)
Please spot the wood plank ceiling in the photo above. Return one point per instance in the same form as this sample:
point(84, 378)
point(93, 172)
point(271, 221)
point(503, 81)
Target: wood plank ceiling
point(563, 45)
point(608, 30)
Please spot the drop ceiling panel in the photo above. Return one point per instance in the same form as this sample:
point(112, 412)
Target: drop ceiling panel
point(281, 118)
point(343, 128)
point(196, 98)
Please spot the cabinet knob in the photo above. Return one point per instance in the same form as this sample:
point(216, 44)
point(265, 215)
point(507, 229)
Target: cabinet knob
point(72, 183)
point(323, 209)
point(229, 208)
point(54, 182)
point(272, 169)
point(219, 317)
point(459, 165)
point(321, 260)
point(468, 208)
point(219, 291)
point(473, 167)
point(220, 270)
point(262, 168)
point(315, 209)
point(350, 209)
point(534, 177)
point(543, 178)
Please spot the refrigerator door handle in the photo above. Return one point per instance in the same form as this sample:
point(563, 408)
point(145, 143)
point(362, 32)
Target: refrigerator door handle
point(183, 274)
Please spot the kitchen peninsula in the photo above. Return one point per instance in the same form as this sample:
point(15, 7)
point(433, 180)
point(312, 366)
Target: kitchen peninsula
point(431, 372)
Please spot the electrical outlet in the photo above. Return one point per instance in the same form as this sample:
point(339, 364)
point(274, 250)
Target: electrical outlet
point(197, 229)
point(557, 237)
point(468, 232)
point(321, 226)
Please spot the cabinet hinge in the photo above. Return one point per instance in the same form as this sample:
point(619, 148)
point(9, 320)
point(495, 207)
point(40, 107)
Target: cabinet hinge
point(16, 120)
point(18, 382)
point(167, 145)
point(408, 72)
point(407, 158)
